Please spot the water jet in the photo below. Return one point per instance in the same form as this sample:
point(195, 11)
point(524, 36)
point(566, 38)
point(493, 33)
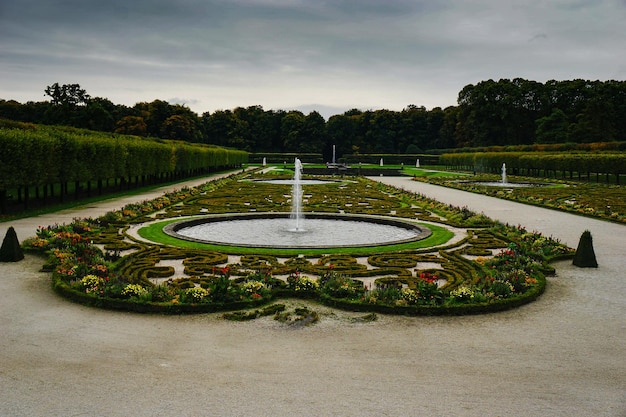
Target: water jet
point(287, 230)
point(296, 197)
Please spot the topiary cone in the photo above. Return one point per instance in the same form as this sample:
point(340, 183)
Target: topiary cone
point(585, 257)
point(11, 250)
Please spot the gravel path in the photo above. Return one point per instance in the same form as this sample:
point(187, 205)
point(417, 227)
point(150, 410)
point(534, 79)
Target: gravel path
point(563, 355)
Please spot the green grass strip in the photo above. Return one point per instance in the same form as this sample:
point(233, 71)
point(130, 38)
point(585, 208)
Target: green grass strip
point(154, 232)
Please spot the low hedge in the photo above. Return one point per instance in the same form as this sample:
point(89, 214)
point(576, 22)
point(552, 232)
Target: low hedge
point(456, 309)
point(139, 306)
point(441, 309)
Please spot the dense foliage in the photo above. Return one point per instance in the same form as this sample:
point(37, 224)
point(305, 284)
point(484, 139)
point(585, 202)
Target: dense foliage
point(518, 111)
point(38, 155)
point(504, 112)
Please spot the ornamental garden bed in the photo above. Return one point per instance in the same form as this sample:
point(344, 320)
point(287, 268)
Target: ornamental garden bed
point(468, 264)
point(603, 201)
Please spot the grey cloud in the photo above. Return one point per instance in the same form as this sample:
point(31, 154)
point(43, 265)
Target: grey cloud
point(538, 37)
point(338, 53)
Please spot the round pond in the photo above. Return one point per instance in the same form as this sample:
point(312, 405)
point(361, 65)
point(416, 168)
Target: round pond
point(277, 230)
point(292, 182)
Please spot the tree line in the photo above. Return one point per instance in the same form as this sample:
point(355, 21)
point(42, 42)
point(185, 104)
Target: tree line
point(518, 111)
point(490, 113)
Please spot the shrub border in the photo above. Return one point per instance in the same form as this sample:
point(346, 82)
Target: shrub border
point(65, 290)
point(121, 304)
point(441, 310)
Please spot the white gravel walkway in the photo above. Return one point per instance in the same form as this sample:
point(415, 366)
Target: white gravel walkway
point(563, 355)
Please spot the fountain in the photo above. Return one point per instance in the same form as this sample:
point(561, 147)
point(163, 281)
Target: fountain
point(296, 197)
point(504, 182)
point(286, 231)
point(336, 165)
point(274, 230)
point(381, 162)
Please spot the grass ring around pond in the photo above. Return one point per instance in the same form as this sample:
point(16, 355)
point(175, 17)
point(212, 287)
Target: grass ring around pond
point(164, 232)
point(278, 230)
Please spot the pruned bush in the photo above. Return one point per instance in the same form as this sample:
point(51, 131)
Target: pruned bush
point(585, 256)
point(11, 250)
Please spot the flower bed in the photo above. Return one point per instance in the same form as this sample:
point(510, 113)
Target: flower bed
point(607, 202)
point(495, 267)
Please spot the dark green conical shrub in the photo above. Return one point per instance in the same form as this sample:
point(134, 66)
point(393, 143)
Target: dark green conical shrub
point(11, 250)
point(585, 256)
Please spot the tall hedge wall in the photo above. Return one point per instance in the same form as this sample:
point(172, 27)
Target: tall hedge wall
point(46, 155)
point(393, 159)
point(530, 163)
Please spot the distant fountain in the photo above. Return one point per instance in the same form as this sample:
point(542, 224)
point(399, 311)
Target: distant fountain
point(264, 161)
point(381, 161)
point(417, 163)
point(296, 197)
point(504, 182)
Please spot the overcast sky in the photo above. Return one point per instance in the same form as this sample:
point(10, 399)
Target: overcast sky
point(327, 55)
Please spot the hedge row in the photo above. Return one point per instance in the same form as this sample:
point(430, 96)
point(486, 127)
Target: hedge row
point(353, 159)
point(539, 163)
point(613, 146)
point(42, 155)
point(285, 157)
point(391, 159)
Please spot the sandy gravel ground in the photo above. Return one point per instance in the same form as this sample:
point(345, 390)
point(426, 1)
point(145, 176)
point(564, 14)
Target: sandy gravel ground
point(563, 355)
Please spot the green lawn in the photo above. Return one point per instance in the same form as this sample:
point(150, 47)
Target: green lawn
point(154, 232)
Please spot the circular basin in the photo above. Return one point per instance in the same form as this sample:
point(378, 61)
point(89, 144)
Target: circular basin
point(292, 182)
point(278, 230)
